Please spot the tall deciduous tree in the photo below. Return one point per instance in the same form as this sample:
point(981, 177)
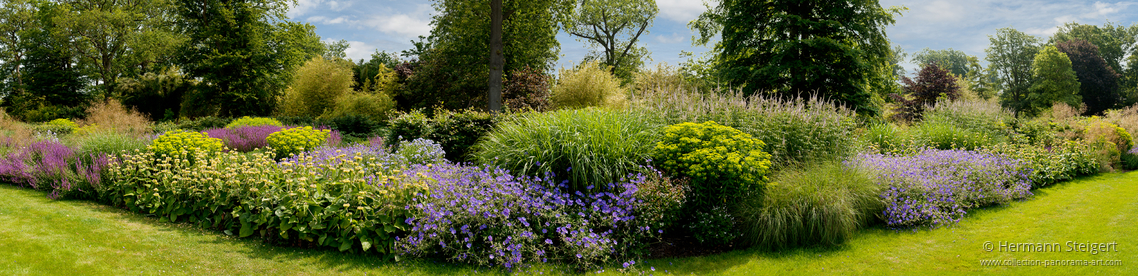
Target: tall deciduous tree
point(615, 26)
point(1010, 57)
point(1113, 42)
point(496, 59)
point(244, 51)
point(837, 49)
point(1055, 81)
point(16, 18)
point(954, 61)
point(105, 32)
point(52, 85)
point(454, 67)
point(1099, 87)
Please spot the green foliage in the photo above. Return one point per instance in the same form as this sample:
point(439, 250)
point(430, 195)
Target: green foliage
point(291, 141)
point(589, 84)
point(253, 121)
point(1010, 57)
point(59, 126)
point(157, 95)
point(1129, 161)
point(722, 162)
point(794, 130)
point(822, 204)
point(1112, 41)
point(1099, 82)
point(48, 85)
point(408, 126)
point(420, 151)
point(372, 106)
point(453, 70)
point(954, 61)
point(837, 49)
point(984, 117)
point(714, 227)
point(458, 132)
point(355, 125)
point(112, 143)
point(244, 51)
point(251, 194)
point(203, 123)
point(318, 86)
point(614, 26)
point(585, 146)
point(1065, 161)
point(944, 135)
point(184, 144)
point(1055, 81)
point(661, 200)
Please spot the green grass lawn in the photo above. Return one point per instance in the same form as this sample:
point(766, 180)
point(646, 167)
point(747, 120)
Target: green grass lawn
point(45, 237)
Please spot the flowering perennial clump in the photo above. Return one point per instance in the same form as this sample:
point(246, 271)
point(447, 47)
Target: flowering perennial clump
point(295, 140)
point(244, 138)
point(253, 121)
point(179, 143)
point(721, 161)
point(936, 187)
point(50, 166)
point(483, 215)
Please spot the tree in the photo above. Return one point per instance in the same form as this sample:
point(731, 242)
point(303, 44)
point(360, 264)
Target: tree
point(51, 86)
point(615, 26)
point(980, 80)
point(244, 51)
point(932, 83)
point(1010, 57)
point(1099, 88)
point(105, 32)
point(953, 60)
point(1055, 81)
point(16, 18)
point(1113, 42)
point(836, 49)
point(453, 66)
point(496, 59)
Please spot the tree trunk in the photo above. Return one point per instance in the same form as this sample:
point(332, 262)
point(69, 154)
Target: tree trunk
point(496, 59)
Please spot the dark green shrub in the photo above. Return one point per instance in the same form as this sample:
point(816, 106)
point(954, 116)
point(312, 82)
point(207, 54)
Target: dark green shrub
point(1130, 160)
point(408, 126)
point(721, 162)
point(355, 125)
point(822, 204)
point(204, 123)
point(253, 121)
point(457, 132)
point(586, 147)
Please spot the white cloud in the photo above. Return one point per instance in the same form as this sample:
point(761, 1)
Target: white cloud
point(671, 39)
point(944, 11)
point(358, 50)
point(302, 7)
point(400, 24)
point(332, 21)
point(681, 11)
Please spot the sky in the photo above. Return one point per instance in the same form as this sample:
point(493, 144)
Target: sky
point(390, 25)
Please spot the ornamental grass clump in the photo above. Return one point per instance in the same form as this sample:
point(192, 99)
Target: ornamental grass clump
point(586, 146)
point(795, 131)
point(244, 138)
point(485, 216)
point(937, 187)
point(822, 204)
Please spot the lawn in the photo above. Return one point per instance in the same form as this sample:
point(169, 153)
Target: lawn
point(41, 236)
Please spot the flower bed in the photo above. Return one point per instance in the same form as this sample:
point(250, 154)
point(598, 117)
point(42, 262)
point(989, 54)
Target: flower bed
point(936, 187)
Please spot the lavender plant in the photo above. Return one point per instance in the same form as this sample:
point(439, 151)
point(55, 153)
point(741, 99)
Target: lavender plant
point(50, 166)
point(244, 138)
point(936, 187)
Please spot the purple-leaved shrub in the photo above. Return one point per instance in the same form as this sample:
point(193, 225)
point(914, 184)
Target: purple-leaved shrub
point(936, 187)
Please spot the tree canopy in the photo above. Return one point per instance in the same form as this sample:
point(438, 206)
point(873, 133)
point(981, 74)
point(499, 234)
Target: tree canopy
point(836, 49)
point(1010, 56)
point(1099, 88)
point(614, 26)
point(1055, 81)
